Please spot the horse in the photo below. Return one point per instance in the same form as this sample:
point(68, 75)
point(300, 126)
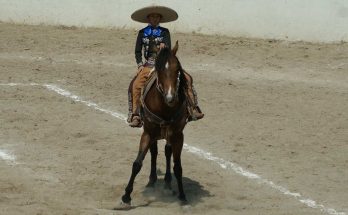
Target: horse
point(164, 113)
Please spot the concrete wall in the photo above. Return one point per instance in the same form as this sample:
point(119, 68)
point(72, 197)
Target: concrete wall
point(309, 20)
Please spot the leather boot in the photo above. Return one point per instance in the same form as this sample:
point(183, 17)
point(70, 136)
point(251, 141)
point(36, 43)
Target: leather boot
point(196, 114)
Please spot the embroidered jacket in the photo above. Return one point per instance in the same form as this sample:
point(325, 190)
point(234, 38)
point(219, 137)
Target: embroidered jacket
point(160, 34)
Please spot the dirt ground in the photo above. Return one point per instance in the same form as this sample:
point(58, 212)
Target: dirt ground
point(278, 109)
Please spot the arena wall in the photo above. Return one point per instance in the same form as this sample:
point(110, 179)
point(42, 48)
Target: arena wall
point(308, 20)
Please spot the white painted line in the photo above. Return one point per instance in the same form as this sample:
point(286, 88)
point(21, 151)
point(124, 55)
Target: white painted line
point(208, 156)
point(7, 157)
point(239, 170)
point(76, 98)
point(18, 84)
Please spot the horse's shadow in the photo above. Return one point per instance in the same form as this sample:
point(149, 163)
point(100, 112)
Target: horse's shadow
point(194, 191)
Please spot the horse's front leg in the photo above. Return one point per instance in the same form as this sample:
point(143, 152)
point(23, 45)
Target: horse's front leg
point(168, 175)
point(153, 172)
point(177, 141)
point(137, 164)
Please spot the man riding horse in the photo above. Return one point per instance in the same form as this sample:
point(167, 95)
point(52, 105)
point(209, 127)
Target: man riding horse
point(153, 15)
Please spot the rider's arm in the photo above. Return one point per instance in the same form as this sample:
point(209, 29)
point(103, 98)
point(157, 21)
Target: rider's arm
point(166, 38)
point(138, 49)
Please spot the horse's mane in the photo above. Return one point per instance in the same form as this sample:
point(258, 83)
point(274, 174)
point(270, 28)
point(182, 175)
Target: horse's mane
point(162, 59)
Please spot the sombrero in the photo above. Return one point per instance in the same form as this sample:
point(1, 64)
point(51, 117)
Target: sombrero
point(167, 14)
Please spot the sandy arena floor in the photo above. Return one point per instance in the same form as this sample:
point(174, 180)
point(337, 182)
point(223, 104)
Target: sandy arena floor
point(275, 109)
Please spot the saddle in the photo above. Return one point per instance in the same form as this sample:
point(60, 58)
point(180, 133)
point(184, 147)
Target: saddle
point(148, 84)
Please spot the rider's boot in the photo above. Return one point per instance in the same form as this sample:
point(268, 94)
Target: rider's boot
point(195, 113)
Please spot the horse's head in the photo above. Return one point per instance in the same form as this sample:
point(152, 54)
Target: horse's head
point(169, 74)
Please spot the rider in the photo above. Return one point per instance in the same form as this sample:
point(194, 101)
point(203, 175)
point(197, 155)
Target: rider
point(153, 15)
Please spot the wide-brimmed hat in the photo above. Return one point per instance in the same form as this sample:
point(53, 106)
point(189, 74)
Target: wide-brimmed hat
point(168, 14)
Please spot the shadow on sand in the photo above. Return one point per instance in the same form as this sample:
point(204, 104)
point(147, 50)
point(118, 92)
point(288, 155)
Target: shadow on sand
point(194, 191)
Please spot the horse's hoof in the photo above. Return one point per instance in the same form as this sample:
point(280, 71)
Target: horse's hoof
point(126, 199)
point(183, 199)
point(123, 206)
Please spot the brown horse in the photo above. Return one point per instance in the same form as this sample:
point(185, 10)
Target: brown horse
point(165, 116)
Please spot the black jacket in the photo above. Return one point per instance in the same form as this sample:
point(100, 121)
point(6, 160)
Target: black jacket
point(161, 35)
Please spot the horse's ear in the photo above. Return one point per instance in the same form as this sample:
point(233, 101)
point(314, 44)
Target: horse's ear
point(175, 49)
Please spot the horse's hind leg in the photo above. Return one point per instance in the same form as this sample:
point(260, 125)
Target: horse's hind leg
point(168, 175)
point(137, 164)
point(153, 173)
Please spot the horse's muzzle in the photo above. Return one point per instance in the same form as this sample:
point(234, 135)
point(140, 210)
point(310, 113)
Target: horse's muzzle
point(170, 99)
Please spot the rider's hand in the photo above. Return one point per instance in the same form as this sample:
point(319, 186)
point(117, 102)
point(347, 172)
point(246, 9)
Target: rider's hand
point(162, 45)
point(140, 68)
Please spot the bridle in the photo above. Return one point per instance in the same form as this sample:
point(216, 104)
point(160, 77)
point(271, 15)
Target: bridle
point(160, 88)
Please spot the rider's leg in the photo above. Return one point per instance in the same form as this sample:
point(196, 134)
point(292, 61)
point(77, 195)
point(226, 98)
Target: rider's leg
point(130, 100)
point(194, 110)
point(138, 84)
